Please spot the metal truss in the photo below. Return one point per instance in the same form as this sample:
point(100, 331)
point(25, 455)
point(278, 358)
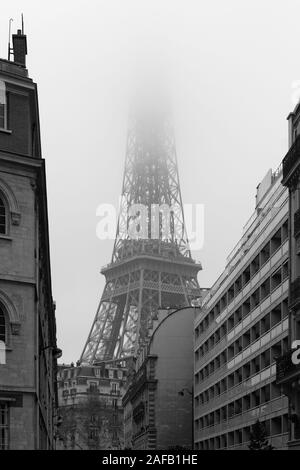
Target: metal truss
point(151, 179)
point(146, 272)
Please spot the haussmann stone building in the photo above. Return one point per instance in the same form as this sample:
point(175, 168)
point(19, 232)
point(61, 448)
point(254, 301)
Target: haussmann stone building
point(27, 313)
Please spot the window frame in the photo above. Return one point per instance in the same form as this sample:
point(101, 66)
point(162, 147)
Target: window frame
point(6, 327)
point(4, 426)
point(6, 218)
point(2, 314)
point(3, 91)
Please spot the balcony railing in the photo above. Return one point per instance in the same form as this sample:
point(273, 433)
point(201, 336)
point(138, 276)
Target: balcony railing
point(297, 222)
point(291, 159)
point(244, 418)
point(139, 411)
point(295, 292)
point(285, 368)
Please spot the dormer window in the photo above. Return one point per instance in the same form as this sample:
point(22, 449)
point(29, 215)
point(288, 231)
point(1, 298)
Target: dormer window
point(3, 106)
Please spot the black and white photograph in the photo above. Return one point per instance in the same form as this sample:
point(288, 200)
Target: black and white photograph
point(149, 229)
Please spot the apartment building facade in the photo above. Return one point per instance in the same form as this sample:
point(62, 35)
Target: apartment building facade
point(90, 406)
point(28, 350)
point(158, 411)
point(240, 330)
point(288, 365)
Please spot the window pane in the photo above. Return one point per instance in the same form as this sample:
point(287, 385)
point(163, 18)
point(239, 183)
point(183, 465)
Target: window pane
point(2, 93)
point(2, 326)
point(3, 426)
point(2, 104)
point(2, 214)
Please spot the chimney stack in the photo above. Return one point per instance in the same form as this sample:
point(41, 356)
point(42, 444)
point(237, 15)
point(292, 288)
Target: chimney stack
point(20, 48)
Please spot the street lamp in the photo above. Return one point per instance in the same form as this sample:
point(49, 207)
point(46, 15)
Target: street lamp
point(182, 392)
point(56, 352)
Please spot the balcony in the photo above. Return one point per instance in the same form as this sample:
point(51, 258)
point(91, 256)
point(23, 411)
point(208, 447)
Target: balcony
point(295, 292)
point(291, 162)
point(138, 412)
point(247, 417)
point(297, 223)
point(286, 370)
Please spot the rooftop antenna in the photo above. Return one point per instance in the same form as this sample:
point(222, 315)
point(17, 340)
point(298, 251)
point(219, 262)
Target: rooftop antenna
point(22, 24)
point(10, 50)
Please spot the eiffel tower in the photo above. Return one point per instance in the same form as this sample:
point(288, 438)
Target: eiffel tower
point(151, 265)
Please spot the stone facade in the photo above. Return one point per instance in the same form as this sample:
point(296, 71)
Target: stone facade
point(90, 406)
point(27, 312)
point(158, 403)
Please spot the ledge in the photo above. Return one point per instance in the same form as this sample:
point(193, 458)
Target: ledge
point(5, 131)
point(5, 237)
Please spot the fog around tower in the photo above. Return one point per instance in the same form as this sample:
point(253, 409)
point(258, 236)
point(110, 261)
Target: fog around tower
point(226, 72)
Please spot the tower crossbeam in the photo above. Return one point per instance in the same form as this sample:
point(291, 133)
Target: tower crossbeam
point(151, 265)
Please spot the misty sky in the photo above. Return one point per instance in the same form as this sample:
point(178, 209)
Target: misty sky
point(229, 67)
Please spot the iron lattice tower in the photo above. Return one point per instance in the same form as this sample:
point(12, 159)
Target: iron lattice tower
point(153, 269)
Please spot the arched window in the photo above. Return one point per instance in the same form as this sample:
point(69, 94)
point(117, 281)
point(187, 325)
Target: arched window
point(2, 326)
point(3, 224)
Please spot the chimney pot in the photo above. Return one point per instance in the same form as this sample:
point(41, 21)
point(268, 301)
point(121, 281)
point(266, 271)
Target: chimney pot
point(20, 48)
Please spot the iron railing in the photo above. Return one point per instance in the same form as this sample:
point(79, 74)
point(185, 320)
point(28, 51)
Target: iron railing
point(139, 411)
point(285, 368)
point(295, 292)
point(291, 159)
point(297, 222)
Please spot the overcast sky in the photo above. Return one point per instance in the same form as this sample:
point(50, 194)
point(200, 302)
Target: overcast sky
point(229, 66)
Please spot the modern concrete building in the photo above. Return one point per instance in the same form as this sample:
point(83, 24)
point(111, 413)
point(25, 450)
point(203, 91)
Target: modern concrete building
point(27, 314)
point(90, 406)
point(288, 367)
point(158, 401)
point(240, 330)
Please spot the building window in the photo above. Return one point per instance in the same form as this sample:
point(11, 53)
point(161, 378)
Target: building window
point(3, 216)
point(2, 326)
point(93, 387)
point(93, 434)
point(120, 375)
point(114, 387)
point(3, 107)
point(3, 426)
